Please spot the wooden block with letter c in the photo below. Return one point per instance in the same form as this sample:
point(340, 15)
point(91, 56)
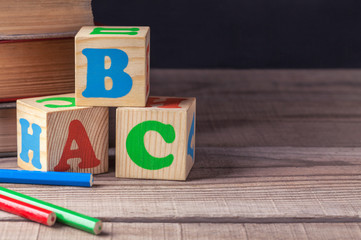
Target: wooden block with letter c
point(156, 141)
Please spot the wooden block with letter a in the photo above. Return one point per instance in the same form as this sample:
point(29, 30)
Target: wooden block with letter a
point(112, 66)
point(156, 141)
point(55, 135)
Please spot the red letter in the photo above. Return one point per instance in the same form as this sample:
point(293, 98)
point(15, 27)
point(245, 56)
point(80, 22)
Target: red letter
point(85, 151)
point(165, 103)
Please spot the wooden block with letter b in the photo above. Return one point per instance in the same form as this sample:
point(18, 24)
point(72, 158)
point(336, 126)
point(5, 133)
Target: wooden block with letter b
point(55, 135)
point(156, 141)
point(112, 66)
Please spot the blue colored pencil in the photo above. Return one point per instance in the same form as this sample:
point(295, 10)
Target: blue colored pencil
point(46, 178)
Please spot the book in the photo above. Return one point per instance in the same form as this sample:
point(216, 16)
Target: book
point(36, 67)
point(21, 19)
point(37, 46)
point(36, 54)
point(7, 127)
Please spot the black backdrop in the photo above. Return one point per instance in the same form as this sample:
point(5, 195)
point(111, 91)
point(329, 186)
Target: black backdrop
point(243, 34)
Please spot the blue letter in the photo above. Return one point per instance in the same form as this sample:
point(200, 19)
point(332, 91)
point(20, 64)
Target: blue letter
point(30, 142)
point(96, 73)
point(190, 150)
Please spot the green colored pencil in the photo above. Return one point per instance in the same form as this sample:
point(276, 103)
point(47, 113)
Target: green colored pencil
point(63, 215)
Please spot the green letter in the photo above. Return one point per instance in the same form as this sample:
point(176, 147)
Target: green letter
point(71, 100)
point(137, 151)
point(124, 31)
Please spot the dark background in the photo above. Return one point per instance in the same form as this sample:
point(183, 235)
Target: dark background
point(243, 34)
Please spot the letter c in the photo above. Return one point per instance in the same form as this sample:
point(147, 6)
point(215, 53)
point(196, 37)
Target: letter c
point(137, 151)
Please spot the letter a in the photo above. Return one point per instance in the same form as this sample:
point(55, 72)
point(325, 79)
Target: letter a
point(85, 151)
point(30, 142)
point(96, 73)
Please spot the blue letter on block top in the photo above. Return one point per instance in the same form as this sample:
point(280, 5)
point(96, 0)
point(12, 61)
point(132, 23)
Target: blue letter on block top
point(96, 73)
point(30, 142)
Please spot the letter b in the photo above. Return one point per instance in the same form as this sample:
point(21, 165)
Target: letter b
point(96, 73)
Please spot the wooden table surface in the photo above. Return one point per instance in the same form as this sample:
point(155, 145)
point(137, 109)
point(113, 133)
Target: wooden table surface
point(278, 156)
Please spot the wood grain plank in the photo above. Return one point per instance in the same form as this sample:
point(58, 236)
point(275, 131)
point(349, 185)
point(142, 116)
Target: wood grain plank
point(221, 165)
point(245, 185)
point(19, 230)
point(60, 231)
point(305, 231)
point(279, 231)
point(178, 231)
point(278, 157)
point(308, 108)
point(201, 231)
point(303, 80)
point(333, 231)
point(300, 108)
point(146, 231)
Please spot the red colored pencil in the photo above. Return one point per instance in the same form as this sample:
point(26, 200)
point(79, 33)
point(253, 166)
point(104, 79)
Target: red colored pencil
point(26, 210)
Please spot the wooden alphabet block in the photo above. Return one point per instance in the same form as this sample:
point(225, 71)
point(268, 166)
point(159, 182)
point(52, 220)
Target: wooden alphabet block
point(112, 66)
point(55, 135)
point(156, 141)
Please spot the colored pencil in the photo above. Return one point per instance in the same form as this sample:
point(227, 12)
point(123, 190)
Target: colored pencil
point(27, 210)
point(66, 216)
point(46, 178)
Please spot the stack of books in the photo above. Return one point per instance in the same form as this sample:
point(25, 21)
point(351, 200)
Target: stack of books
point(36, 53)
